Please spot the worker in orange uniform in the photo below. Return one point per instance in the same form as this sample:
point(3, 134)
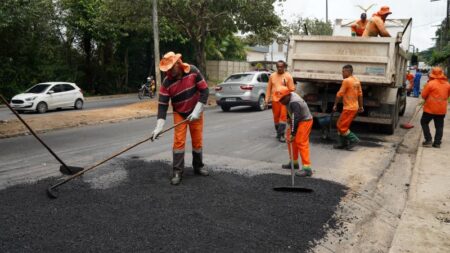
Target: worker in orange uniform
point(375, 26)
point(188, 92)
point(300, 124)
point(359, 26)
point(278, 79)
point(410, 78)
point(435, 94)
point(351, 95)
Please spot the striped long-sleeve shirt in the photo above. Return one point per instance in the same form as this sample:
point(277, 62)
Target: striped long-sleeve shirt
point(183, 93)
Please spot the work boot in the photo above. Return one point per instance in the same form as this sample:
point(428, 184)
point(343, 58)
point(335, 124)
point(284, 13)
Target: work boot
point(341, 142)
point(427, 144)
point(176, 178)
point(197, 163)
point(353, 140)
point(288, 165)
point(282, 139)
point(436, 145)
point(304, 172)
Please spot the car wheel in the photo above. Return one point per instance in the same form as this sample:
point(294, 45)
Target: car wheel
point(225, 108)
point(78, 104)
point(42, 107)
point(261, 105)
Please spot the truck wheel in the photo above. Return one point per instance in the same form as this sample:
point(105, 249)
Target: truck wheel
point(225, 108)
point(390, 129)
point(402, 112)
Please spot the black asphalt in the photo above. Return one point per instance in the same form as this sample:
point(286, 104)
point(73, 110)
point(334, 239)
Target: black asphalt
point(225, 212)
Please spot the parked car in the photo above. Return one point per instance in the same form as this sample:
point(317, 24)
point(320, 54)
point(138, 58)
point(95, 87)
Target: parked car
point(248, 88)
point(46, 96)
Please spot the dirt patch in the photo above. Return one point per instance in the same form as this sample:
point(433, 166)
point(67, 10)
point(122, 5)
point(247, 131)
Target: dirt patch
point(70, 119)
point(225, 212)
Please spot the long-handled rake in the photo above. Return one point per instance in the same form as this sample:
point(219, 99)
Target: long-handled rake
point(52, 189)
point(64, 168)
point(292, 187)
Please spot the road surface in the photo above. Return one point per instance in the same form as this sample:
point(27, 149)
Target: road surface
point(234, 206)
point(6, 114)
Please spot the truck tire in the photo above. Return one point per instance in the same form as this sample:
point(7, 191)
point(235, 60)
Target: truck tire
point(390, 129)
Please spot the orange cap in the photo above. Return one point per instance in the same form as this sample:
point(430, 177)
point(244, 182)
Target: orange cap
point(437, 73)
point(169, 59)
point(280, 93)
point(384, 10)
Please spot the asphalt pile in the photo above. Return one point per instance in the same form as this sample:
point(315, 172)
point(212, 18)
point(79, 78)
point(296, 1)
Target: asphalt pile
point(225, 212)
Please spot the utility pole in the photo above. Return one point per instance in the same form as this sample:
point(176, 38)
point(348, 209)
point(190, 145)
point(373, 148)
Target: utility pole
point(156, 43)
point(326, 10)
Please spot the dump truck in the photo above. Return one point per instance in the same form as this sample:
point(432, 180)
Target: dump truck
point(316, 62)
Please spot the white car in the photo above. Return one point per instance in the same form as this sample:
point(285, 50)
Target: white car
point(47, 96)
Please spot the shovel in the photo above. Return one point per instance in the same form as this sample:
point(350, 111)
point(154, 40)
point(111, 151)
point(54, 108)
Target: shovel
point(292, 187)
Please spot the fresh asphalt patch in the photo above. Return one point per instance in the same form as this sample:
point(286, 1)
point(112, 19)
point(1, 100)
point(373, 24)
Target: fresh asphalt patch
point(225, 212)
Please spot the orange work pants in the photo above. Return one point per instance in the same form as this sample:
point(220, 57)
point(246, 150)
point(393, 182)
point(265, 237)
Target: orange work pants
point(279, 113)
point(196, 130)
point(301, 142)
point(344, 121)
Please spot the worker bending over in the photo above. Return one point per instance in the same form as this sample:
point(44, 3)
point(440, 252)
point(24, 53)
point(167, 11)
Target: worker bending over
point(359, 26)
point(300, 124)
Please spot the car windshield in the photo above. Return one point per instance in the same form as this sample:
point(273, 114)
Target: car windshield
point(38, 88)
point(239, 78)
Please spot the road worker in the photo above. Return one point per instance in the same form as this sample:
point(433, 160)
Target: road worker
point(376, 27)
point(186, 89)
point(417, 79)
point(410, 78)
point(435, 94)
point(280, 78)
point(359, 26)
point(300, 124)
point(351, 95)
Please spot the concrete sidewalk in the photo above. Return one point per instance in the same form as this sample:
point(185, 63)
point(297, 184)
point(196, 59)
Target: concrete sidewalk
point(425, 222)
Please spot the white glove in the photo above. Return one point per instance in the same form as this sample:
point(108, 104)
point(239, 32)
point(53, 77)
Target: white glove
point(158, 128)
point(195, 115)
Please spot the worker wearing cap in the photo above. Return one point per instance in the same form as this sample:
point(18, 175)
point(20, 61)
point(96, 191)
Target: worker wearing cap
point(280, 78)
point(300, 124)
point(188, 92)
point(410, 78)
point(351, 95)
point(359, 26)
point(376, 26)
point(435, 94)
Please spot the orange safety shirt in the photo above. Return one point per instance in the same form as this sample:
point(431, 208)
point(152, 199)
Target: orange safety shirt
point(436, 94)
point(350, 91)
point(376, 27)
point(410, 78)
point(276, 80)
point(359, 27)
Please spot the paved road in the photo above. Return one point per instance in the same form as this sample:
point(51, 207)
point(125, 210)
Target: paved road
point(6, 114)
point(241, 141)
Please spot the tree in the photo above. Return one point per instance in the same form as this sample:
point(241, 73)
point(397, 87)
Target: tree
point(307, 26)
point(199, 20)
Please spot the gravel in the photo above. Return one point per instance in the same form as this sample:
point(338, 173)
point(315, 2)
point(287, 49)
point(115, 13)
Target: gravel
point(225, 212)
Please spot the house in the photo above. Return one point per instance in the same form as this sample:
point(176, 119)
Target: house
point(267, 55)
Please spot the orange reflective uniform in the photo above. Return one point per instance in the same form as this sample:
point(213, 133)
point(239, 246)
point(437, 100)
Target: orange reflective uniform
point(359, 27)
point(436, 94)
point(276, 80)
point(195, 129)
point(350, 91)
point(410, 78)
point(376, 27)
point(301, 142)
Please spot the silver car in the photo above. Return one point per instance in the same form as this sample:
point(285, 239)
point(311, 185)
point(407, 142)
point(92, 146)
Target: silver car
point(248, 88)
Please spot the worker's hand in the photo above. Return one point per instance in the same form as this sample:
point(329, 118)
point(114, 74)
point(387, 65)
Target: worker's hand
point(361, 109)
point(197, 112)
point(334, 108)
point(158, 129)
point(292, 139)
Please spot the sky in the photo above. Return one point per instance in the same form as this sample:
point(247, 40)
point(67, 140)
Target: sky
point(426, 14)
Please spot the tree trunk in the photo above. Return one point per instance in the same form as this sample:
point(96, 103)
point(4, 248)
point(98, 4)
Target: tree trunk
point(87, 48)
point(126, 66)
point(200, 55)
